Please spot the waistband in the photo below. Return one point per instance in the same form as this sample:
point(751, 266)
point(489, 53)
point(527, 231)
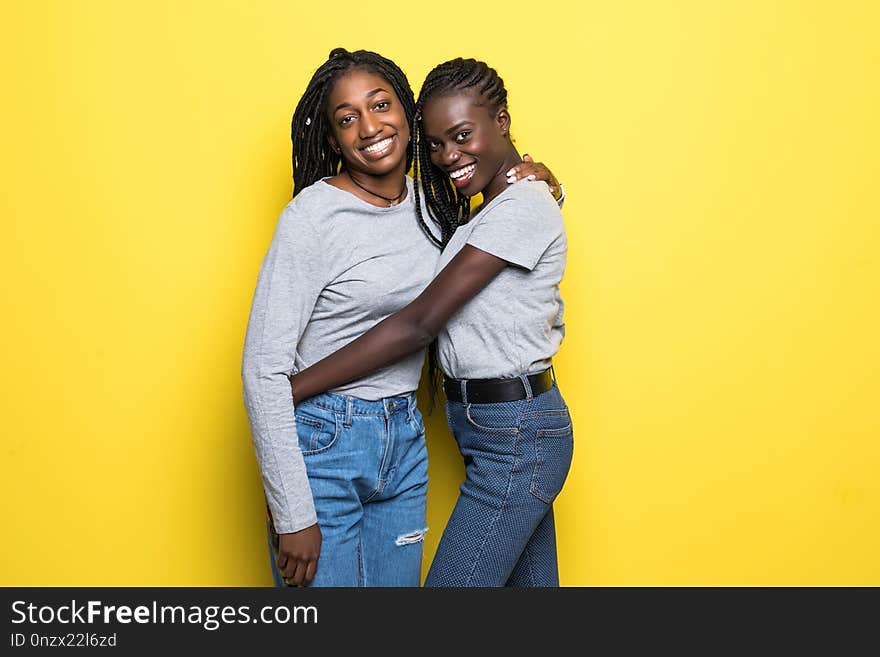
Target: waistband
point(354, 406)
point(489, 391)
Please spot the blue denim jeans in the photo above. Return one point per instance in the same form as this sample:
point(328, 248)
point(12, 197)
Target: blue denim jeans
point(368, 469)
point(517, 455)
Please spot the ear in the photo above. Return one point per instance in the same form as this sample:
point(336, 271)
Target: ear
point(332, 141)
point(502, 120)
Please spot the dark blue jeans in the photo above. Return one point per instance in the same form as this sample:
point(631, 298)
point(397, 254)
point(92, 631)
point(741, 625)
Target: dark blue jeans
point(517, 455)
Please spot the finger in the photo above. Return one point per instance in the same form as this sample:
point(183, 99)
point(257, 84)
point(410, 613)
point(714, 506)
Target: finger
point(289, 568)
point(541, 172)
point(289, 573)
point(281, 561)
point(297, 578)
point(525, 170)
point(311, 569)
point(527, 157)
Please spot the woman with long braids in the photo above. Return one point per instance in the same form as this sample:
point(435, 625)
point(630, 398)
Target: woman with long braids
point(345, 473)
point(495, 310)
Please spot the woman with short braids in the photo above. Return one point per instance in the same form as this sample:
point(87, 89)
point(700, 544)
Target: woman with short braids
point(495, 310)
point(344, 473)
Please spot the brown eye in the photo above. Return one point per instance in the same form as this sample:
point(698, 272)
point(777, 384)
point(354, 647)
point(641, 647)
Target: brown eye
point(382, 106)
point(462, 136)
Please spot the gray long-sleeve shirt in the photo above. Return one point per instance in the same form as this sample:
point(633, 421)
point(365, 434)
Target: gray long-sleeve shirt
point(336, 267)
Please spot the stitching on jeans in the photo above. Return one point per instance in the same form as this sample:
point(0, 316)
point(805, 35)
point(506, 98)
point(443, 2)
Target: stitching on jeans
point(336, 431)
point(561, 411)
point(337, 411)
point(360, 555)
point(504, 502)
point(529, 561)
point(559, 431)
point(467, 413)
point(536, 489)
point(380, 482)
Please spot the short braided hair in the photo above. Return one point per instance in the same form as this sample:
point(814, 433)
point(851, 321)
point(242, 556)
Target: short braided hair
point(446, 207)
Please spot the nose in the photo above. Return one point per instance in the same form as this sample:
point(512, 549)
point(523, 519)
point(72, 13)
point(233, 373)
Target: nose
point(369, 126)
point(449, 156)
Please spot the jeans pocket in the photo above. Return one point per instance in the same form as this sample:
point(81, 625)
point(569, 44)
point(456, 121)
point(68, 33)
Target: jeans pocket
point(554, 449)
point(501, 417)
point(316, 429)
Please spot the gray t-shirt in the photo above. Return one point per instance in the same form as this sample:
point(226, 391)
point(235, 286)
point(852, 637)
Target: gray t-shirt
point(514, 325)
point(336, 267)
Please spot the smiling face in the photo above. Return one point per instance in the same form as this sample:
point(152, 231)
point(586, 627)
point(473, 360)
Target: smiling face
point(367, 123)
point(468, 140)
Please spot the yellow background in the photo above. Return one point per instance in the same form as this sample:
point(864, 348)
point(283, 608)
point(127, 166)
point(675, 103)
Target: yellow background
point(720, 161)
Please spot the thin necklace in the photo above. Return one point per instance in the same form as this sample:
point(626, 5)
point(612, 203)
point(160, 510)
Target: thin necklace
point(384, 198)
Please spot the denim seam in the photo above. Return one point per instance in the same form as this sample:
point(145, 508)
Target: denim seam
point(332, 442)
point(501, 507)
point(380, 482)
point(360, 556)
point(531, 568)
point(560, 411)
point(535, 488)
point(558, 431)
point(467, 413)
point(338, 411)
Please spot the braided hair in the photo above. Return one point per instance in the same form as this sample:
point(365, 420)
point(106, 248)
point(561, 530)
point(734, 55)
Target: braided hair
point(312, 157)
point(446, 207)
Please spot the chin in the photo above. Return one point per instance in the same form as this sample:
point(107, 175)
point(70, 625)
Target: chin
point(382, 168)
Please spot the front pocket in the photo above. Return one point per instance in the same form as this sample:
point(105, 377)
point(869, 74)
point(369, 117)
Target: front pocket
point(553, 451)
point(315, 433)
point(503, 417)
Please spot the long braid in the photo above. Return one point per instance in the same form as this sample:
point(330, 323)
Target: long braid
point(312, 157)
point(446, 207)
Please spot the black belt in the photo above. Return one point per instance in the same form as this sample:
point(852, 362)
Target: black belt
point(488, 391)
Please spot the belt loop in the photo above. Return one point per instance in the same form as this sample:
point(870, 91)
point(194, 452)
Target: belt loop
point(349, 409)
point(527, 386)
point(553, 372)
point(463, 384)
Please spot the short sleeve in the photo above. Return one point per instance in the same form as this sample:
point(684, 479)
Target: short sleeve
point(519, 229)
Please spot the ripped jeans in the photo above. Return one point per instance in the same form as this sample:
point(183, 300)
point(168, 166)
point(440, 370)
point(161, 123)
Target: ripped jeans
point(368, 469)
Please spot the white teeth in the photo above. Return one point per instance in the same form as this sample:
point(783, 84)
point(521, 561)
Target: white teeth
point(378, 146)
point(458, 173)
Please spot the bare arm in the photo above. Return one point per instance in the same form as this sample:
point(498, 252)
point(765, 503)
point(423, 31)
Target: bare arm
point(408, 330)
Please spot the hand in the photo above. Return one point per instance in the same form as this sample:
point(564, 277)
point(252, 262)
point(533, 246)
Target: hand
point(535, 171)
point(298, 555)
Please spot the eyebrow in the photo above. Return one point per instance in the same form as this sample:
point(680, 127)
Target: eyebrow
point(458, 126)
point(370, 94)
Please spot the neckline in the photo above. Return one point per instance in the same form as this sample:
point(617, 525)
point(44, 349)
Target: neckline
point(407, 202)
